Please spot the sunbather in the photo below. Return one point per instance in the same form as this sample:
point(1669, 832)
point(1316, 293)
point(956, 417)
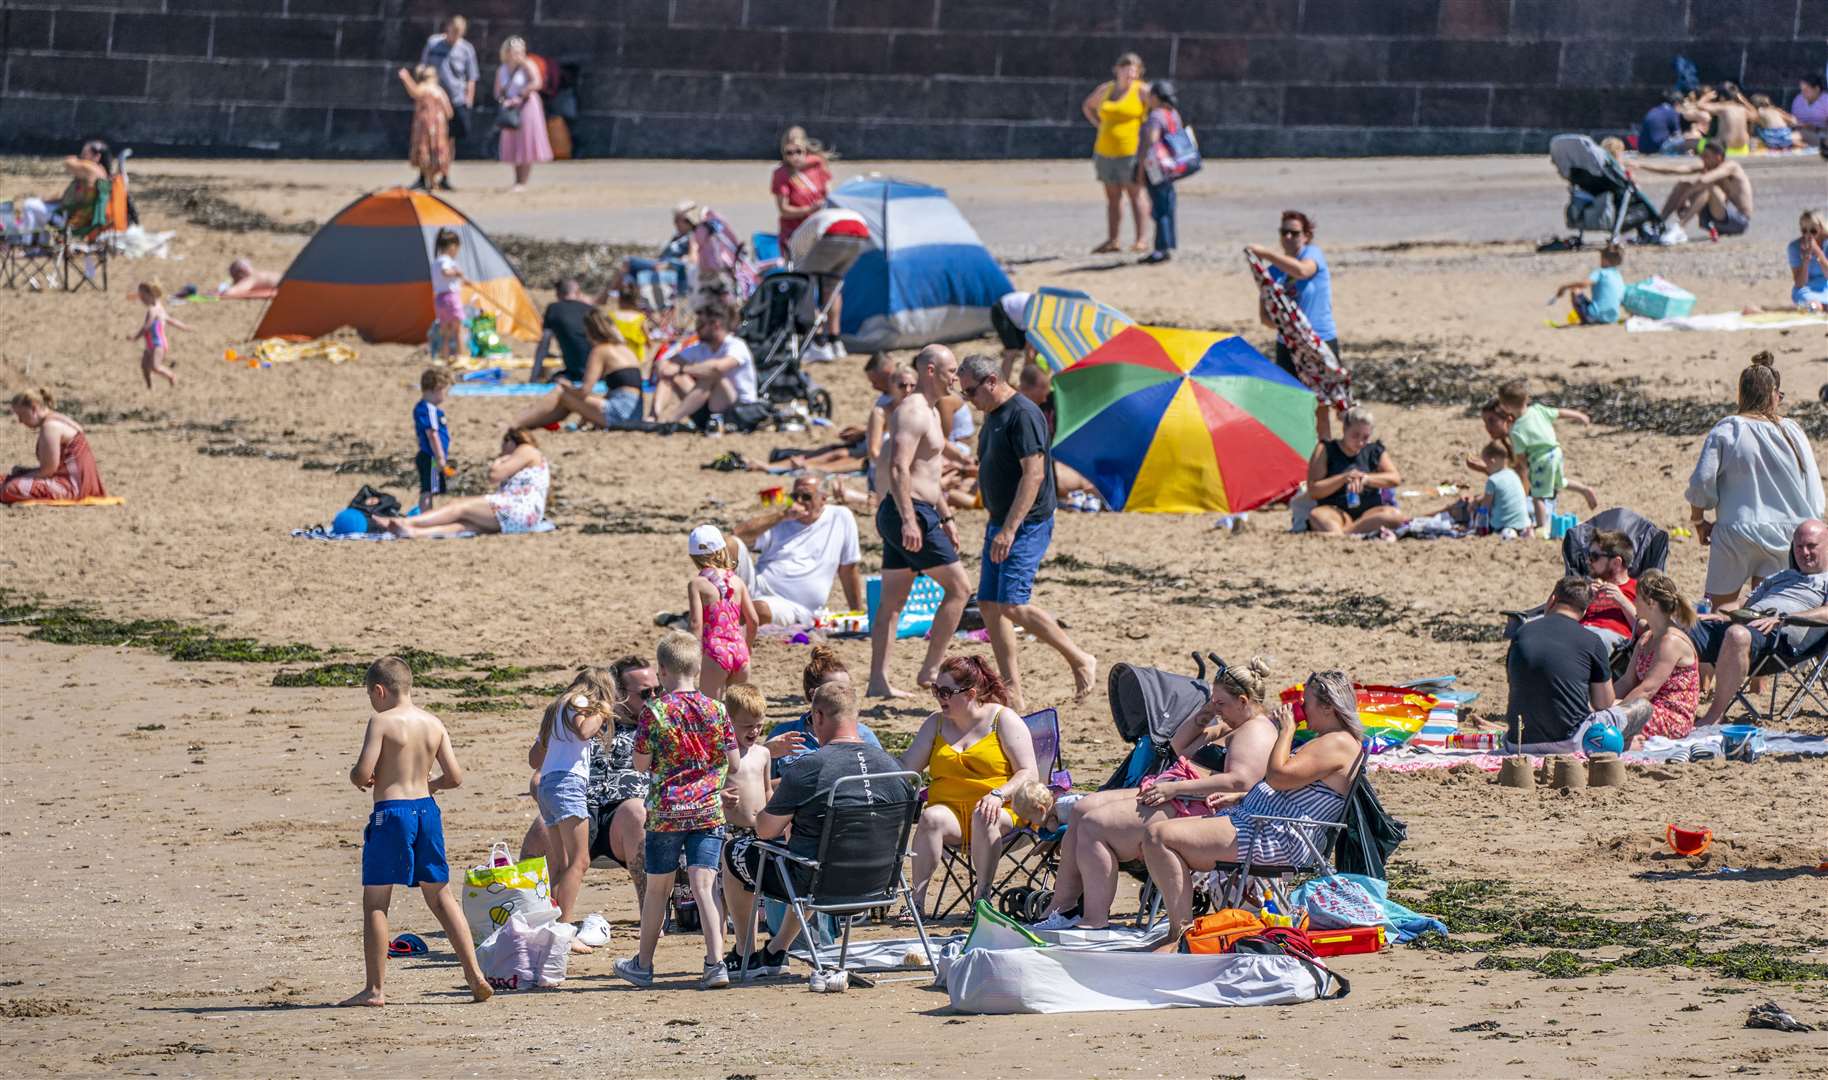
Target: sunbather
point(518, 506)
point(247, 282)
point(1311, 784)
point(610, 360)
point(1106, 828)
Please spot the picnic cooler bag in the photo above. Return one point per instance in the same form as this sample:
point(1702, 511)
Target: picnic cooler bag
point(1174, 156)
point(1658, 298)
point(1219, 931)
point(499, 888)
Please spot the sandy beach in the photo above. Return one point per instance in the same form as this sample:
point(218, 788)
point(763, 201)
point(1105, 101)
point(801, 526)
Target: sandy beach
point(185, 844)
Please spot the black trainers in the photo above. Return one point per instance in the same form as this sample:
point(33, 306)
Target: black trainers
point(444, 184)
point(762, 962)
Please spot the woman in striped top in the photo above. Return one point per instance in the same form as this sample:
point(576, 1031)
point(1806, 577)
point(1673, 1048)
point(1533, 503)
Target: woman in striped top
point(1310, 784)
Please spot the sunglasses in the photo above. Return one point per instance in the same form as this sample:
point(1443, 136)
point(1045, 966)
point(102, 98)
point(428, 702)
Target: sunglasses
point(946, 693)
point(804, 496)
point(968, 390)
point(1289, 232)
point(647, 693)
point(1592, 555)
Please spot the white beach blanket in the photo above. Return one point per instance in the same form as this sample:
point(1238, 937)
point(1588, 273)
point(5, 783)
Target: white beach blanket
point(1726, 322)
point(1001, 981)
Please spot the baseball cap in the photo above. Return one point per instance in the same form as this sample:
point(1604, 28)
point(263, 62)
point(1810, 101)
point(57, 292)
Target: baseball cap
point(704, 540)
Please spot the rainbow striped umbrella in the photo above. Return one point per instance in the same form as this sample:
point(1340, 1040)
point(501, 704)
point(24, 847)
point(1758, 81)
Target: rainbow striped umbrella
point(1181, 421)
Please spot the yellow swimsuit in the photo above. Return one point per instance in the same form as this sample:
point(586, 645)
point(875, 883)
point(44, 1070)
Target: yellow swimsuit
point(1120, 123)
point(960, 779)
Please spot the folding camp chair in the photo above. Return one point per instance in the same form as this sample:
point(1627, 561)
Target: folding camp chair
point(1035, 866)
point(858, 867)
point(1803, 674)
point(1314, 840)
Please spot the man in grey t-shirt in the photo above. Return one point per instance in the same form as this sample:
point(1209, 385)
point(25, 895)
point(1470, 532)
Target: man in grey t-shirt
point(458, 71)
point(1736, 648)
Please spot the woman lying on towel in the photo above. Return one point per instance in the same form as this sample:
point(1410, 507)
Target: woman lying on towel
point(1222, 748)
point(66, 468)
point(1310, 784)
point(518, 506)
point(610, 360)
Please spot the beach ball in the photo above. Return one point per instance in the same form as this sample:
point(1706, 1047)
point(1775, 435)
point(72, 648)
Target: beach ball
point(349, 520)
point(1602, 738)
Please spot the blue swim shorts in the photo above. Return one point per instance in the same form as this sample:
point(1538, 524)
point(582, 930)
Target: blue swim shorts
point(1012, 581)
point(403, 844)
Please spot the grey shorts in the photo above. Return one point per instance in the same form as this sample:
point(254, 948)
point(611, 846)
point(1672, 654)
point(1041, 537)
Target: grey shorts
point(1115, 170)
point(1734, 223)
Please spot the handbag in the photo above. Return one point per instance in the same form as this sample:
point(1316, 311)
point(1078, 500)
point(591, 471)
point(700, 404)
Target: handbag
point(507, 117)
point(1174, 156)
point(375, 504)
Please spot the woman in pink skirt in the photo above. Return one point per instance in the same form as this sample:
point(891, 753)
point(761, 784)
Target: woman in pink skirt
point(517, 87)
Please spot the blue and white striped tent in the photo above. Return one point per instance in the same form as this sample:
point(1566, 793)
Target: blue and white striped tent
point(929, 278)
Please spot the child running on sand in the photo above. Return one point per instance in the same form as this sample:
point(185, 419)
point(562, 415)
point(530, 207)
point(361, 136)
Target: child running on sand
point(1597, 296)
point(744, 796)
point(403, 843)
point(684, 741)
point(721, 612)
point(447, 292)
point(562, 756)
point(433, 461)
point(152, 359)
point(1533, 440)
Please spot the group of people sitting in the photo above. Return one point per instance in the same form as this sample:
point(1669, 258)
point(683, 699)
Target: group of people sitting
point(1684, 122)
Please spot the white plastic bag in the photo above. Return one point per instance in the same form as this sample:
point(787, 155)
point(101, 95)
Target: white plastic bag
point(497, 889)
point(530, 949)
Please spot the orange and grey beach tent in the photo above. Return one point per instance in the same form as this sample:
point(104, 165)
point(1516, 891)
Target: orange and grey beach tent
point(370, 268)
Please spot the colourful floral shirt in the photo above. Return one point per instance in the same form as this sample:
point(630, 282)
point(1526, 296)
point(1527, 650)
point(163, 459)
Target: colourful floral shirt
point(688, 735)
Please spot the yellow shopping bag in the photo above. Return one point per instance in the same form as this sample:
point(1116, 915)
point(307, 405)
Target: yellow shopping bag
point(498, 889)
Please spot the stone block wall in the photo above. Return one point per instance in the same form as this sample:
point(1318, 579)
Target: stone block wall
point(890, 78)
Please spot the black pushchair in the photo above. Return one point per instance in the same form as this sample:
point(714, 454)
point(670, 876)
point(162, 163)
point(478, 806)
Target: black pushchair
point(778, 321)
point(1601, 197)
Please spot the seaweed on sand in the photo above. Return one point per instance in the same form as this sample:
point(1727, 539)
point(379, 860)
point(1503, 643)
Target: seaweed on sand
point(69, 625)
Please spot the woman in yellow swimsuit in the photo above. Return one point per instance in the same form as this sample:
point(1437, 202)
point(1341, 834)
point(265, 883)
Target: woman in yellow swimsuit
point(976, 750)
point(1117, 110)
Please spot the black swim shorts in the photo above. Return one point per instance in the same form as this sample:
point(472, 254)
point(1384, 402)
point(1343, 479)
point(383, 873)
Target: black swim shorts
point(935, 547)
point(431, 477)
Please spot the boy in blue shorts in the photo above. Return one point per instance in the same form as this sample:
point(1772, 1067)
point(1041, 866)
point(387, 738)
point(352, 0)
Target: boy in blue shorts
point(433, 461)
point(403, 843)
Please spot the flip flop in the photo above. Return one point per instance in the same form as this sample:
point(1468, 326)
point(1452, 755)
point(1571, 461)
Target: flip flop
point(1105, 248)
point(408, 945)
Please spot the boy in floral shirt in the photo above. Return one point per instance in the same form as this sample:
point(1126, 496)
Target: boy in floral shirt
point(684, 740)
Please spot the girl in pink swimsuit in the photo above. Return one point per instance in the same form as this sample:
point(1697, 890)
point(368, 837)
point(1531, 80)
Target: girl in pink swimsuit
point(722, 613)
point(152, 359)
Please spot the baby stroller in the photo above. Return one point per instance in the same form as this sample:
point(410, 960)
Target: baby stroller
point(1600, 196)
point(778, 321)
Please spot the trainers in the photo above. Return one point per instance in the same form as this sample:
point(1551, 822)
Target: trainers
point(716, 977)
point(1053, 922)
point(594, 931)
point(761, 962)
point(631, 968)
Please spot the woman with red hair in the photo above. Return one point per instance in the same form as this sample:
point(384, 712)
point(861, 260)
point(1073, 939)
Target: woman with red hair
point(976, 751)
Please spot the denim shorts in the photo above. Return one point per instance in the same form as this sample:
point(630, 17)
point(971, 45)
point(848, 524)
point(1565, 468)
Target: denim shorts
point(702, 847)
point(621, 406)
point(1012, 581)
point(562, 795)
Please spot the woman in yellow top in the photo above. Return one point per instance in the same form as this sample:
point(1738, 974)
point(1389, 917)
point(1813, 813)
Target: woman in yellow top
point(1117, 109)
point(976, 750)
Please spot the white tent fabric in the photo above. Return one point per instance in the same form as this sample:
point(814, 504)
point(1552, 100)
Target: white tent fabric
point(1002, 981)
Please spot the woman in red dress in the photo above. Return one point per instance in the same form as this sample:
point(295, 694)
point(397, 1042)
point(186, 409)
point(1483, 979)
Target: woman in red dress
point(66, 468)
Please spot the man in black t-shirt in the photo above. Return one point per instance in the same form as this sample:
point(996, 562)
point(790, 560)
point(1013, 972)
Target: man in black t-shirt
point(799, 801)
point(1016, 477)
point(564, 323)
point(1559, 671)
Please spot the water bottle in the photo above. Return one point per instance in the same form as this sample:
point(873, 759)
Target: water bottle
point(1703, 606)
point(1482, 521)
point(1351, 499)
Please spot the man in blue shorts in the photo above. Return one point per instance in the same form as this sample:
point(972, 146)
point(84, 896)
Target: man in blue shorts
point(1016, 477)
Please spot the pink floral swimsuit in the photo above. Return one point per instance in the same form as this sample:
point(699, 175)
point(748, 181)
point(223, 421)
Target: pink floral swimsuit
point(723, 638)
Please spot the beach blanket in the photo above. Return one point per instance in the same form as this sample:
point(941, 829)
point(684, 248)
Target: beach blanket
point(1003, 981)
point(93, 500)
point(1315, 365)
point(280, 351)
point(507, 389)
point(319, 532)
point(1417, 757)
point(1726, 322)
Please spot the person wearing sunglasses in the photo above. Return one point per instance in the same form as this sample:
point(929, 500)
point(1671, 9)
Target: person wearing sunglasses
point(977, 751)
point(800, 182)
point(789, 557)
point(615, 793)
point(1612, 613)
point(1808, 264)
point(1298, 265)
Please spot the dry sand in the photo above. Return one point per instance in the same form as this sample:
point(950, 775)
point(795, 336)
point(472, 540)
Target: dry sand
point(185, 897)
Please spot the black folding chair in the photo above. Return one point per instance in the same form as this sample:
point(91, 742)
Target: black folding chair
point(1035, 851)
point(858, 867)
point(1314, 840)
point(1802, 674)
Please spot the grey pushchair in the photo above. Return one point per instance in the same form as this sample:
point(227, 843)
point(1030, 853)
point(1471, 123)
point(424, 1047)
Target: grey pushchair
point(1601, 198)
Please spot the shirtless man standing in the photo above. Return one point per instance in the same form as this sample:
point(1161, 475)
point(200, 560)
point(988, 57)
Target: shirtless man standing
point(1717, 192)
point(915, 523)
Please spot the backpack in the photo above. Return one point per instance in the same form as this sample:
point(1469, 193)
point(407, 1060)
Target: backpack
point(1370, 836)
point(375, 504)
point(1220, 931)
point(1289, 941)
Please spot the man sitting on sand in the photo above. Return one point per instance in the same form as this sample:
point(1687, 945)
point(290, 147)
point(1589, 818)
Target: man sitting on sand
point(1717, 192)
point(1559, 672)
point(246, 282)
point(799, 551)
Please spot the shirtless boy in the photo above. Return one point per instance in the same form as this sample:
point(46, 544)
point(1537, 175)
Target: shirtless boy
point(918, 536)
point(744, 795)
point(1717, 191)
point(403, 843)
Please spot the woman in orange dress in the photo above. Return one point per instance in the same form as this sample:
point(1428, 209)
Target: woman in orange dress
point(431, 141)
point(66, 468)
